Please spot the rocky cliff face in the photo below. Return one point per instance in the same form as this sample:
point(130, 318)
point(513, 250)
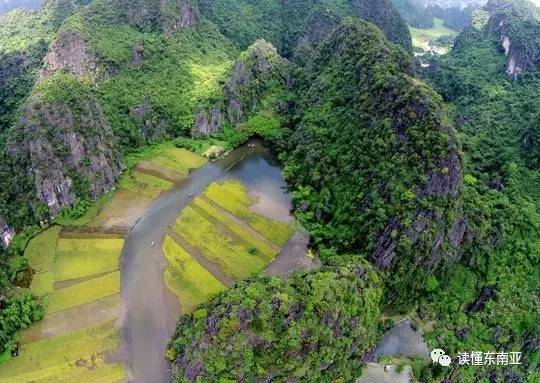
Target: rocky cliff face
point(69, 53)
point(166, 15)
point(184, 14)
point(444, 182)
point(64, 145)
point(151, 128)
point(255, 76)
point(517, 26)
point(16, 80)
point(6, 233)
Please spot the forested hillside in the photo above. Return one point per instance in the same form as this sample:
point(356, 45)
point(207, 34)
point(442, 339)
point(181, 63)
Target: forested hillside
point(494, 302)
point(421, 196)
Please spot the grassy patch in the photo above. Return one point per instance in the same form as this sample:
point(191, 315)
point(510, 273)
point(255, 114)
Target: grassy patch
point(41, 250)
point(187, 278)
point(77, 258)
point(124, 203)
point(179, 160)
point(152, 181)
point(42, 283)
point(78, 356)
point(41, 254)
point(233, 257)
point(233, 197)
point(90, 215)
point(148, 167)
point(246, 235)
point(84, 292)
point(143, 184)
point(421, 37)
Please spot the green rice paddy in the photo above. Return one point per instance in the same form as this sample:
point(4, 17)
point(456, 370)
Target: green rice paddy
point(85, 292)
point(231, 254)
point(41, 250)
point(78, 276)
point(219, 227)
point(184, 276)
point(233, 196)
point(179, 160)
point(243, 231)
point(77, 258)
point(77, 356)
point(154, 172)
point(77, 271)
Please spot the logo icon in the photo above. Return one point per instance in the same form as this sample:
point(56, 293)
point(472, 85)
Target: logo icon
point(439, 356)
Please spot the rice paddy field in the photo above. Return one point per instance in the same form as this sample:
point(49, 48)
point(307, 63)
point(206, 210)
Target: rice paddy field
point(217, 239)
point(154, 173)
point(233, 197)
point(191, 282)
point(220, 230)
point(79, 280)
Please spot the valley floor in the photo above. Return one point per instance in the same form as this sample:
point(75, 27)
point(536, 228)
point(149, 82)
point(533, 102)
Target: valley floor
point(77, 272)
point(221, 235)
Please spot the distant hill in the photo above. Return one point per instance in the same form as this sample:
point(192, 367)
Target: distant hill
point(8, 5)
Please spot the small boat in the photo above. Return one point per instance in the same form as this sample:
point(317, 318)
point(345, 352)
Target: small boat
point(190, 195)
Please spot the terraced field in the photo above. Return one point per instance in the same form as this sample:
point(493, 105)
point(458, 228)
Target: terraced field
point(79, 280)
point(218, 239)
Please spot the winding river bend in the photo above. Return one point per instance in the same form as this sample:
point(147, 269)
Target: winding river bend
point(149, 310)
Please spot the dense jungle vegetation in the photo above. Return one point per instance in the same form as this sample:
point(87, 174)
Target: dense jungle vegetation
point(432, 184)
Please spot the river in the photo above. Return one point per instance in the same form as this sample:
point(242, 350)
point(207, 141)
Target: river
point(149, 310)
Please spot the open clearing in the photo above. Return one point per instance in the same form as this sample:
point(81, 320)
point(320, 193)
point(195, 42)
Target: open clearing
point(219, 234)
point(422, 37)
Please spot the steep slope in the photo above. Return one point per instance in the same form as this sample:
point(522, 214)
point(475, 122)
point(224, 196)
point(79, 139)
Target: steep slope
point(153, 62)
point(516, 26)
point(257, 84)
point(383, 14)
point(143, 72)
point(24, 37)
point(494, 301)
point(372, 160)
point(283, 23)
point(61, 150)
